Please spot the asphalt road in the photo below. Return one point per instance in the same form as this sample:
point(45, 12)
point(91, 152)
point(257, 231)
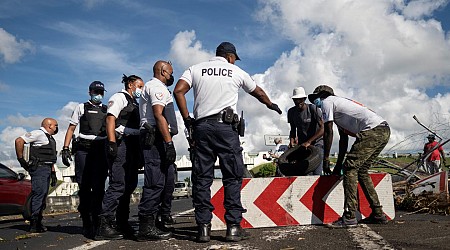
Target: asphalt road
point(406, 231)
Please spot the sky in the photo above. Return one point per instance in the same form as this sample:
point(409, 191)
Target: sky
point(391, 55)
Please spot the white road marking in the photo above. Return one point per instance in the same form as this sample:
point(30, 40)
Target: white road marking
point(94, 244)
point(367, 239)
point(90, 245)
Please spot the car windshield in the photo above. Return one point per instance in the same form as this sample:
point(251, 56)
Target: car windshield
point(5, 172)
point(179, 185)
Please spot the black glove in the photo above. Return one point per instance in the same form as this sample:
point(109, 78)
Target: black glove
point(171, 154)
point(275, 107)
point(326, 167)
point(66, 156)
point(24, 164)
point(112, 149)
point(189, 122)
point(53, 179)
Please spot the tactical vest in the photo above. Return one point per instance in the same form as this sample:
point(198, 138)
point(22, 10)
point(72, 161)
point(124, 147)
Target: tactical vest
point(45, 153)
point(93, 122)
point(129, 116)
point(169, 114)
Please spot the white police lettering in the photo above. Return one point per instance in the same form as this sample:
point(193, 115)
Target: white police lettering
point(217, 72)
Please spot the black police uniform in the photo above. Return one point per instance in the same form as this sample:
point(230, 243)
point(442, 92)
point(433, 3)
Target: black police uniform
point(90, 164)
point(123, 170)
point(42, 159)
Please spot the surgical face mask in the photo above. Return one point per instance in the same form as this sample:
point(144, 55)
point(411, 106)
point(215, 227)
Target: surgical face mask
point(318, 102)
point(137, 93)
point(96, 98)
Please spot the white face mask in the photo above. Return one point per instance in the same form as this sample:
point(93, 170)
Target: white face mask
point(137, 93)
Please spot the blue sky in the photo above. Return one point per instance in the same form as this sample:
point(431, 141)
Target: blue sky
point(393, 56)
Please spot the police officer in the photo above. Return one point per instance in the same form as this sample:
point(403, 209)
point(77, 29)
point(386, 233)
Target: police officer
point(158, 124)
point(124, 159)
point(90, 156)
point(216, 84)
point(41, 162)
point(372, 134)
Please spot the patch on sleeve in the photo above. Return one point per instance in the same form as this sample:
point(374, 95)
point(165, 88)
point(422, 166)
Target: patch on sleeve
point(159, 95)
point(28, 135)
point(110, 103)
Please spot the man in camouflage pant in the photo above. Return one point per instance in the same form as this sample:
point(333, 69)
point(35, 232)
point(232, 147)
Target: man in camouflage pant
point(372, 134)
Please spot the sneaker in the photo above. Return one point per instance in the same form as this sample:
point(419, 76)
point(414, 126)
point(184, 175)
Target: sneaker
point(375, 219)
point(343, 222)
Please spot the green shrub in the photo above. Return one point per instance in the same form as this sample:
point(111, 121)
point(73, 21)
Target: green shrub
point(264, 170)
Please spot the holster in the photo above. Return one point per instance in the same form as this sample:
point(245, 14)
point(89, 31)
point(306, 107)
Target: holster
point(33, 163)
point(75, 144)
point(147, 135)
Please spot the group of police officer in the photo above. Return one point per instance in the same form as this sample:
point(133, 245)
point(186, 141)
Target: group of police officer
point(115, 140)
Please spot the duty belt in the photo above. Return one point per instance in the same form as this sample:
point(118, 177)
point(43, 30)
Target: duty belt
point(216, 117)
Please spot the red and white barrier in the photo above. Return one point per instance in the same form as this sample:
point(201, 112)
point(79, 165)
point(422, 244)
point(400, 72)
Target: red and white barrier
point(436, 183)
point(301, 200)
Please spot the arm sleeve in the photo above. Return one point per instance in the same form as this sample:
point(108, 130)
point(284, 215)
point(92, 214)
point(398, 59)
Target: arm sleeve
point(187, 76)
point(76, 114)
point(248, 84)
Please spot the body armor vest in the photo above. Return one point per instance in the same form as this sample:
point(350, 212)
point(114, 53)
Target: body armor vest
point(44, 153)
point(129, 116)
point(93, 122)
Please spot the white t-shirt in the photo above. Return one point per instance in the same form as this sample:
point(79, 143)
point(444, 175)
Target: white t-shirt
point(38, 137)
point(216, 84)
point(351, 116)
point(78, 112)
point(155, 93)
point(116, 103)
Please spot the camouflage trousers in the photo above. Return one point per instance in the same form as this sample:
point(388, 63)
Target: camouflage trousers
point(364, 151)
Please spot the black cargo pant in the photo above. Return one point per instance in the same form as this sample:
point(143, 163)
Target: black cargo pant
point(364, 151)
point(91, 170)
point(216, 139)
point(40, 181)
point(159, 180)
point(123, 178)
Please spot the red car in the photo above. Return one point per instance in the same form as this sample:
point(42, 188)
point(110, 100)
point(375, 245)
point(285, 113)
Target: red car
point(15, 193)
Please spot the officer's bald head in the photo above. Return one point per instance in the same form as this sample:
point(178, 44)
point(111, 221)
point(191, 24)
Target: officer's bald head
point(51, 125)
point(160, 66)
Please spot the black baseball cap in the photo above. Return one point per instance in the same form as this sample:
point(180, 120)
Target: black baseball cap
point(227, 47)
point(97, 85)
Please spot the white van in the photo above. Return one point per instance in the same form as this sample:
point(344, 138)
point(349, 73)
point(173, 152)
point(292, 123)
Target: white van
point(182, 189)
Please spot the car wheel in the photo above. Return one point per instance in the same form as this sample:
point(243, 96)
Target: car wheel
point(27, 209)
point(298, 161)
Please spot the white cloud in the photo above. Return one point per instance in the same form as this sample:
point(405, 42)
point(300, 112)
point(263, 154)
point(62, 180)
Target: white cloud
point(185, 51)
point(366, 51)
point(421, 8)
point(13, 49)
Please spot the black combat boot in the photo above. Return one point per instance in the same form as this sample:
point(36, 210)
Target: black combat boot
point(204, 233)
point(33, 225)
point(165, 223)
point(148, 230)
point(107, 230)
point(88, 229)
point(39, 224)
point(126, 229)
point(236, 233)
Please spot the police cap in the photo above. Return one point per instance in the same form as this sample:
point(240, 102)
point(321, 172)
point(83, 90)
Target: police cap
point(97, 85)
point(227, 47)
